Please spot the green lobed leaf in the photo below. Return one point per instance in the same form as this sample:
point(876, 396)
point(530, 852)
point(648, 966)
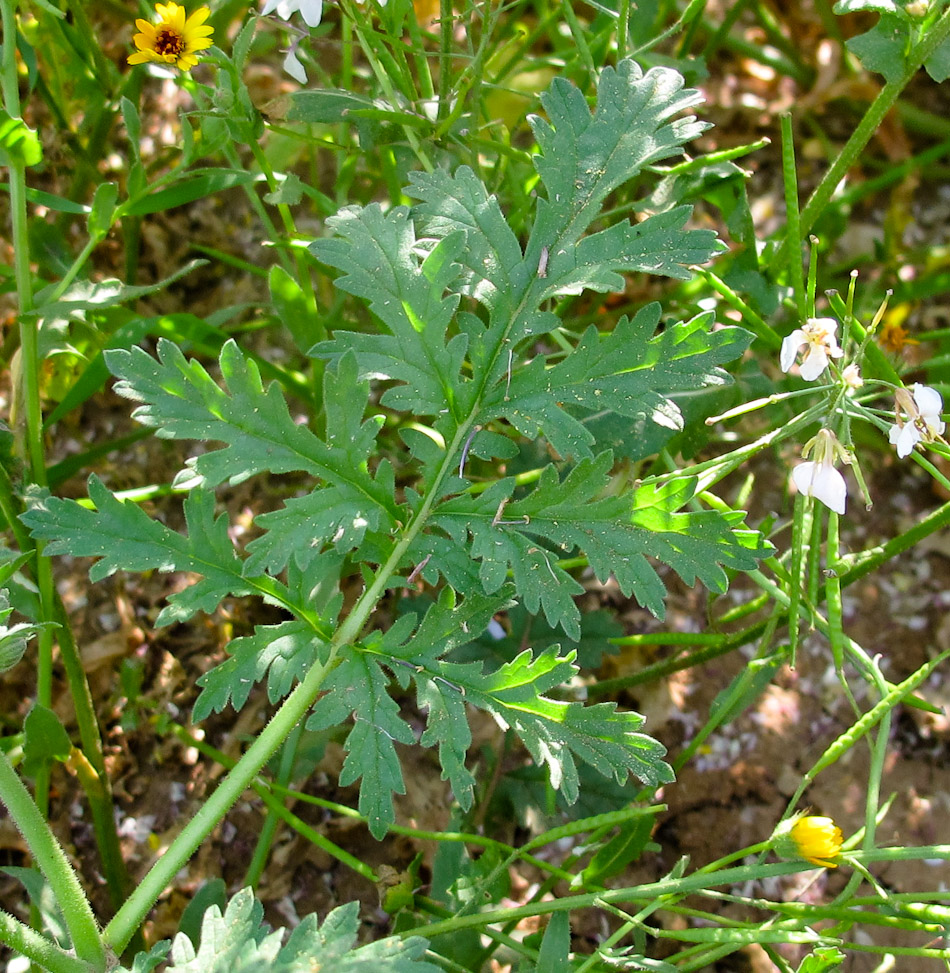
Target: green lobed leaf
point(405, 286)
point(554, 731)
point(358, 688)
point(883, 48)
point(182, 401)
point(239, 942)
point(586, 155)
point(616, 533)
point(282, 652)
point(629, 371)
point(124, 537)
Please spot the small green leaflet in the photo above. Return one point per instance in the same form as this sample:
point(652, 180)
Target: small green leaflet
point(125, 538)
point(358, 687)
point(886, 46)
point(555, 732)
point(240, 941)
point(405, 287)
point(616, 533)
point(282, 652)
point(629, 371)
point(14, 638)
point(19, 144)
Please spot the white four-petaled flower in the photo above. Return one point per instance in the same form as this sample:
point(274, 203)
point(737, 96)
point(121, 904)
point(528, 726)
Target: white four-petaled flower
point(923, 422)
point(816, 339)
point(818, 478)
point(310, 10)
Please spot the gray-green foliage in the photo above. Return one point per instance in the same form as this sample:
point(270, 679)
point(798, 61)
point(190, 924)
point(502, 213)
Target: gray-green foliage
point(239, 942)
point(461, 313)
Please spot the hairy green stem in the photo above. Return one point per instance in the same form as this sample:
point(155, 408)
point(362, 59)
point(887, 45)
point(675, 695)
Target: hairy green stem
point(129, 917)
point(31, 442)
point(22, 939)
point(52, 861)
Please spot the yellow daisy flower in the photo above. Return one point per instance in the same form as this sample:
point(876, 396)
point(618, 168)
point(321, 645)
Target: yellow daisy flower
point(174, 39)
point(817, 839)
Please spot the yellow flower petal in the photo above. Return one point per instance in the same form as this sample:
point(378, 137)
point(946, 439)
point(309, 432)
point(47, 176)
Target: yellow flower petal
point(174, 38)
point(817, 840)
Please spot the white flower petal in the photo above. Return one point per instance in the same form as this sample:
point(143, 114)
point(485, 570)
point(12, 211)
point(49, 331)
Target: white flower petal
point(814, 363)
point(823, 482)
point(928, 400)
point(830, 488)
point(893, 434)
point(908, 438)
point(294, 68)
point(802, 476)
point(790, 346)
point(311, 11)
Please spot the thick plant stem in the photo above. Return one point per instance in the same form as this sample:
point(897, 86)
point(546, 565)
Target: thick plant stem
point(26, 391)
point(863, 134)
point(83, 929)
point(129, 917)
point(291, 712)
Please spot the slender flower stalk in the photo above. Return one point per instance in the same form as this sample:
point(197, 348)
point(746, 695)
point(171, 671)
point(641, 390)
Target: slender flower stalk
point(174, 39)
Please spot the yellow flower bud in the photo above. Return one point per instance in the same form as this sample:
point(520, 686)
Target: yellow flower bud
point(815, 838)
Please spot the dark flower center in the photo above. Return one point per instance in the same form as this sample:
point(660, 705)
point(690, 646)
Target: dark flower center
point(168, 41)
